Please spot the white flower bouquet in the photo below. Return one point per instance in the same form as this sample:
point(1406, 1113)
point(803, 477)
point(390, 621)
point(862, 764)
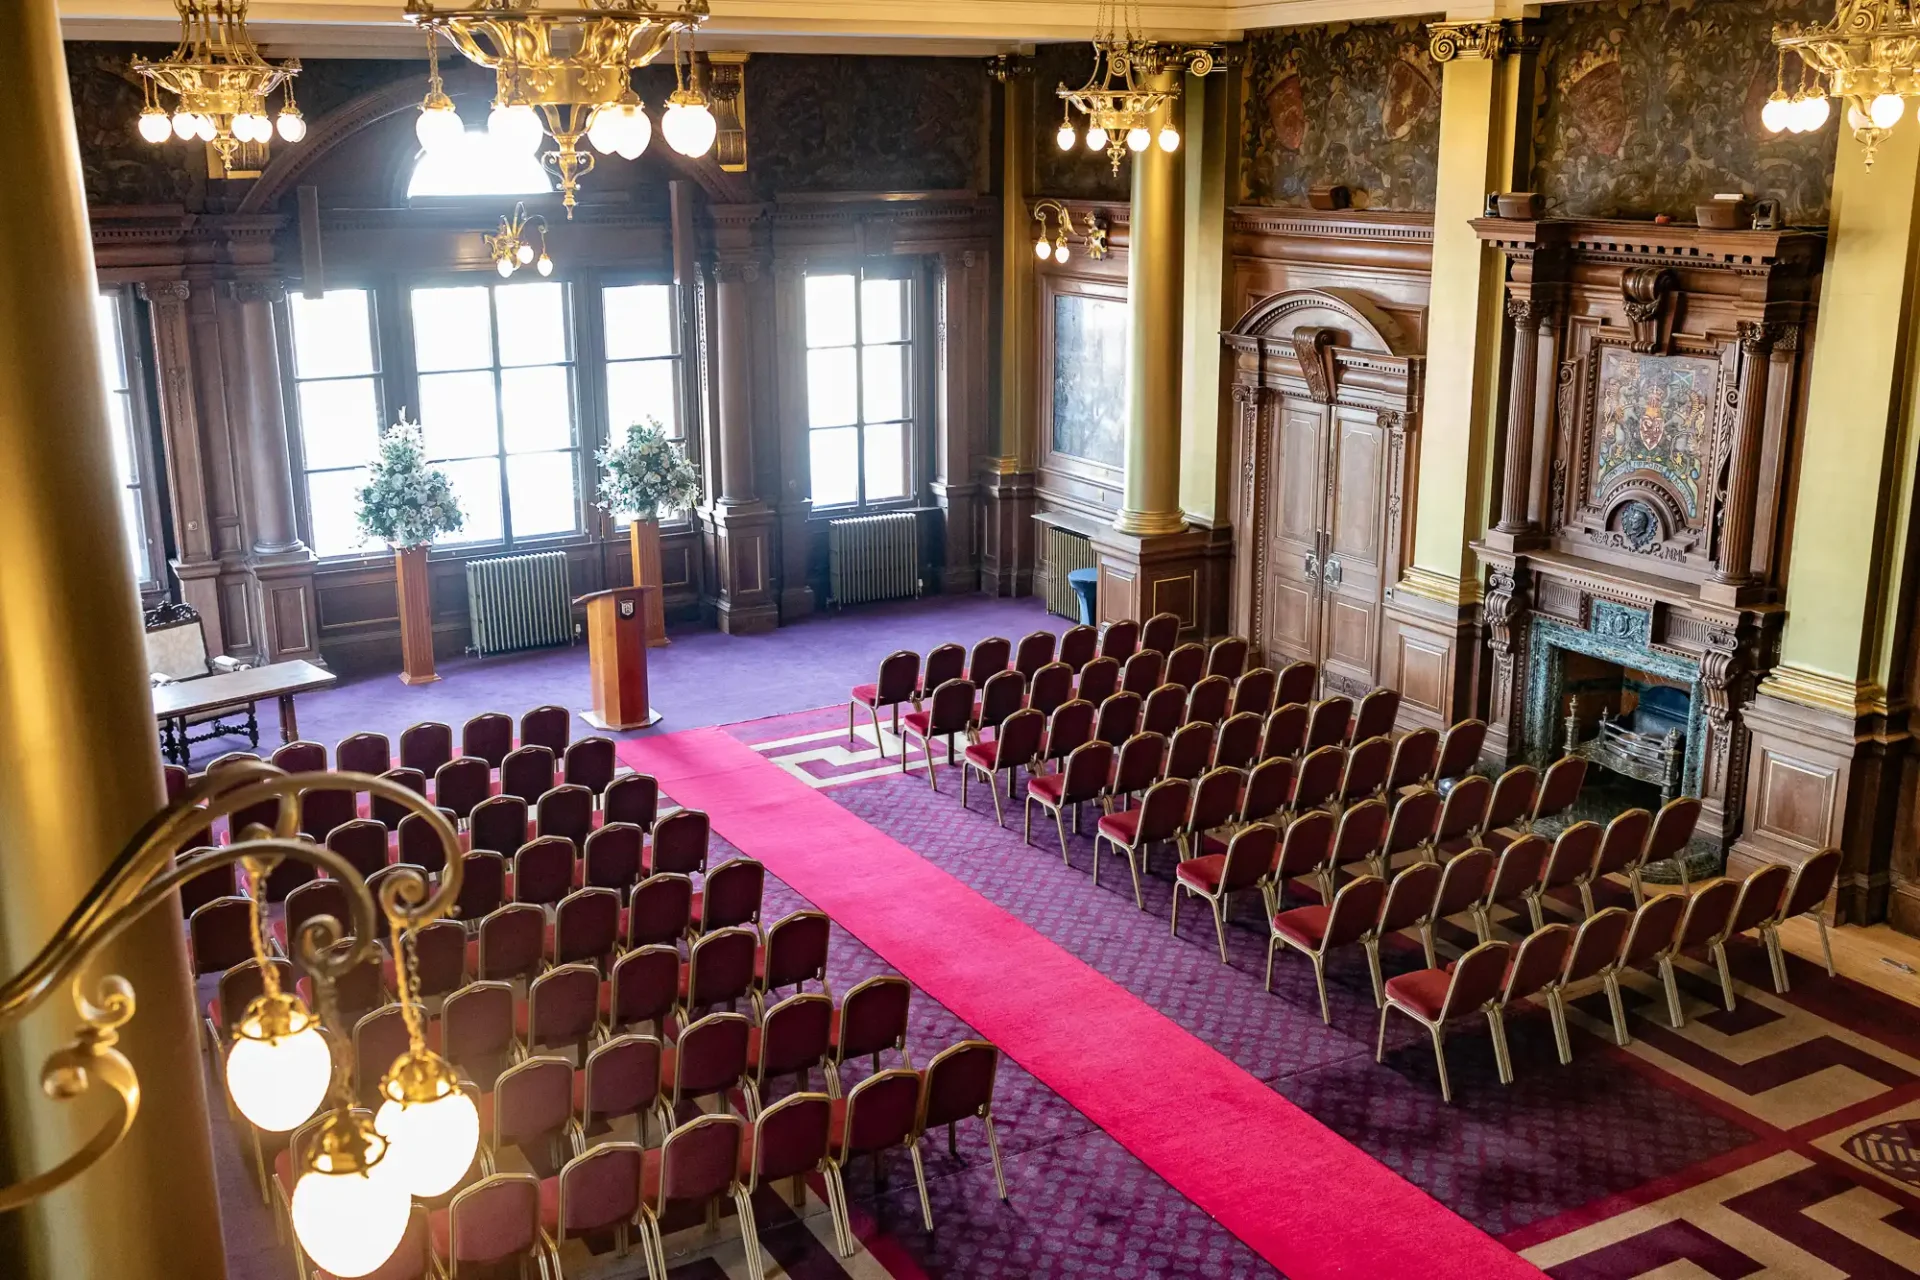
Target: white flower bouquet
point(646, 473)
point(405, 502)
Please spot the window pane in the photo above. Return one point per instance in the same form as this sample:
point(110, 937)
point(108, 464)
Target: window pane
point(334, 512)
point(106, 328)
point(479, 163)
point(544, 494)
point(339, 422)
point(832, 399)
point(642, 389)
point(883, 310)
point(533, 323)
point(135, 520)
point(476, 483)
point(639, 321)
point(457, 414)
point(537, 410)
point(451, 329)
point(883, 377)
point(122, 436)
point(830, 311)
point(886, 462)
point(332, 335)
point(835, 459)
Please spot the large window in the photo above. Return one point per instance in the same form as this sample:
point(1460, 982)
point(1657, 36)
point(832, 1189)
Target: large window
point(859, 388)
point(336, 373)
point(118, 367)
point(643, 362)
point(495, 368)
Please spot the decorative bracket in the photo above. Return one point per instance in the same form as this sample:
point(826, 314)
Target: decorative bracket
point(1314, 349)
point(727, 90)
point(1645, 291)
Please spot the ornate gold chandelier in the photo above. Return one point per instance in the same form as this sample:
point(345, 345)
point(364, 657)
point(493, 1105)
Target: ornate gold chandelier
point(1868, 56)
point(1116, 100)
point(566, 72)
point(510, 248)
point(221, 83)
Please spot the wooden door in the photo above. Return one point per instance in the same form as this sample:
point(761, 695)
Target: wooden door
point(1297, 493)
point(1354, 562)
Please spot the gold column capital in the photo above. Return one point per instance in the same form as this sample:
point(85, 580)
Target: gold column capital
point(1447, 41)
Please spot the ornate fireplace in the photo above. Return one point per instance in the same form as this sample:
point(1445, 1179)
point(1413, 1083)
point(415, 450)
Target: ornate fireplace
point(1654, 392)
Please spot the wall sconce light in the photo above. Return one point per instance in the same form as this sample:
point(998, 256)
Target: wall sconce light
point(1054, 241)
point(511, 248)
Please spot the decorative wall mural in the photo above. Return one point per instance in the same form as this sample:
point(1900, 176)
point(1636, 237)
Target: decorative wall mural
point(1090, 378)
point(1653, 106)
point(1354, 104)
point(837, 122)
point(1655, 415)
point(1078, 174)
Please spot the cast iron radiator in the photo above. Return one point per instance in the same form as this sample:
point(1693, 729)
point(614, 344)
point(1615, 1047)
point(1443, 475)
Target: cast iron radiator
point(1065, 551)
point(519, 602)
point(873, 558)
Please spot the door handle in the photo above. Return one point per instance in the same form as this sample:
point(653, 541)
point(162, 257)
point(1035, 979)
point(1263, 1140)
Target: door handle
point(1331, 574)
point(1310, 563)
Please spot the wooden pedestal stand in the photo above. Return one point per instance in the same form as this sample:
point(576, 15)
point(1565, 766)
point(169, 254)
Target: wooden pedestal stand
point(416, 615)
point(616, 625)
point(645, 535)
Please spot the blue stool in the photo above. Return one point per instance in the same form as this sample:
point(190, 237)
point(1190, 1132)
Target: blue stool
point(1086, 585)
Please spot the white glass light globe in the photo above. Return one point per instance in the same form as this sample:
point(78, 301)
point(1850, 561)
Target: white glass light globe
point(1042, 249)
point(504, 266)
point(205, 129)
point(277, 1084)
point(1061, 252)
point(350, 1223)
point(1885, 111)
point(604, 132)
point(1096, 139)
point(292, 125)
point(185, 125)
point(1138, 139)
point(1065, 137)
point(430, 1144)
point(154, 126)
point(1169, 139)
point(689, 128)
point(1817, 111)
point(524, 253)
point(638, 133)
point(544, 266)
point(518, 124)
point(243, 126)
point(436, 127)
point(1775, 114)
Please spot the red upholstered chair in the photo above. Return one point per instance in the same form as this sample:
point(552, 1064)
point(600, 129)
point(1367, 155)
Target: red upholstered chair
point(1516, 879)
point(1464, 882)
point(660, 909)
point(1316, 930)
point(1435, 997)
point(878, 1114)
point(1186, 665)
point(566, 811)
point(1216, 801)
point(1216, 877)
point(1414, 757)
point(1118, 718)
point(719, 970)
point(1762, 896)
point(1286, 732)
point(948, 715)
point(498, 823)
point(709, 1060)
point(314, 898)
point(1253, 692)
point(362, 842)
point(461, 784)
point(1098, 679)
point(644, 988)
point(1268, 790)
point(1305, 850)
point(1143, 672)
point(1510, 803)
point(1594, 955)
point(1068, 727)
point(943, 662)
point(1164, 711)
point(1317, 781)
point(1080, 645)
point(1237, 745)
point(622, 1078)
point(1228, 657)
point(1189, 750)
point(220, 934)
point(266, 813)
point(1207, 700)
point(589, 763)
point(1463, 814)
point(730, 896)
point(533, 1108)
point(1136, 766)
point(1559, 789)
point(476, 1030)
point(794, 1037)
point(1704, 927)
point(495, 1220)
point(1134, 832)
point(294, 757)
point(527, 772)
point(871, 1020)
point(426, 746)
point(1035, 651)
point(1807, 896)
point(1015, 744)
point(211, 885)
point(1298, 682)
point(483, 886)
point(175, 776)
point(612, 858)
point(958, 1085)
point(1573, 856)
point(988, 659)
point(1360, 838)
point(1375, 716)
point(1623, 848)
point(697, 1164)
point(440, 957)
point(1082, 778)
point(563, 1004)
point(897, 682)
point(341, 805)
point(1533, 974)
point(1160, 633)
point(1672, 832)
point(543, 870)
point(363, 753)
point(596, 1191)
point(586, 927)
point(789, 1140)
point(794, 954)
point(1649, 942)
point(1050, 688)
point(285, 878)
point(1327, 722)
point(1460, 749)
point(631, 797)
point(1365, 774)
point(679, 843)
point(1409, 905)
point(550, 727)
point(512, 943)
point(1416, 818)
point(488, 736)
point(358, 991)
point(1004, 693)
point(1120, 640)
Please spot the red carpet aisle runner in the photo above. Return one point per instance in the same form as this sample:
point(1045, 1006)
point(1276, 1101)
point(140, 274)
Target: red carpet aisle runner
point(1306, 1200)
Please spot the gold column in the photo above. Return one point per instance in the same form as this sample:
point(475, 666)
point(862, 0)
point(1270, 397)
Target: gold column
point(1206, 431)
point(1151, 502)
point(79, 765)
point(1013, 440)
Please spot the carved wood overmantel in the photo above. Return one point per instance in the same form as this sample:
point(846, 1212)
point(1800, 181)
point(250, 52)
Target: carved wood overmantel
point(1655, 390)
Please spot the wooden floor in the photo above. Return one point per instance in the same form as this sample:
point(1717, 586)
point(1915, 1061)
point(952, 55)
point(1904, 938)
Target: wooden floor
point(1874, 955)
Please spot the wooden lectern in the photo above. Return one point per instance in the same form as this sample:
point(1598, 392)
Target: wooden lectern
point(617, 649)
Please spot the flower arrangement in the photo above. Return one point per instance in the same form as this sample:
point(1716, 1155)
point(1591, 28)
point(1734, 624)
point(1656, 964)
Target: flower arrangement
point(405, 502)
point(645, 473)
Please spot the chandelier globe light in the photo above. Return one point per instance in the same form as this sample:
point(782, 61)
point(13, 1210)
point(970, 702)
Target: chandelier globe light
point(1868, 57)
point(439, 124)
point(687, 123)
point(350, 1208)
point(220, 84)
point(279, 1066)
point(1116, 99)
